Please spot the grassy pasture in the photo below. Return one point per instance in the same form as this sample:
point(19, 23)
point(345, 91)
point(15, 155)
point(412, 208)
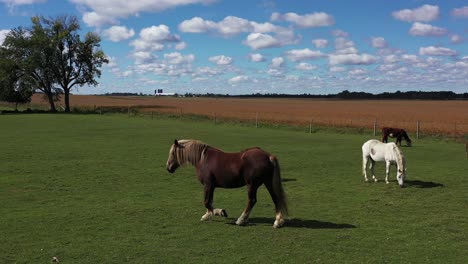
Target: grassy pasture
point(94, 189)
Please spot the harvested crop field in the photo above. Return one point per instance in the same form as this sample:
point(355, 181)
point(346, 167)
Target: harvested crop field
point(435, 117)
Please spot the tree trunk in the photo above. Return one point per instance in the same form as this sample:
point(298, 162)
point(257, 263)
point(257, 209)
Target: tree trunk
point(50, 96)
point(67, 100)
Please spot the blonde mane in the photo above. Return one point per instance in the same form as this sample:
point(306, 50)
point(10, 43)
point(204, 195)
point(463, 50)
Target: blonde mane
point(400, 158)
point(191, 151)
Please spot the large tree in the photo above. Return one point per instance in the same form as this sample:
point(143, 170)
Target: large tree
point(76, 61)
point(13, 88)
point(31, 50)
point(51, 54)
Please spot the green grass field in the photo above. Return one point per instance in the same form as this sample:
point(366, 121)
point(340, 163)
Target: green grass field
point(94, 189)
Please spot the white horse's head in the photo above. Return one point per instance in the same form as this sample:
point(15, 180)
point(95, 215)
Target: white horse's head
point(401, 175)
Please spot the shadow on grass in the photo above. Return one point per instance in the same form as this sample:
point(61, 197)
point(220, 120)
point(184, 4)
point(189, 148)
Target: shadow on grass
point(297, 223)
point(287, 180)
point(422, 184)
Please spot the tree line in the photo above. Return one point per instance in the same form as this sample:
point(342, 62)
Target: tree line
point(410, 95)
point(49, 56)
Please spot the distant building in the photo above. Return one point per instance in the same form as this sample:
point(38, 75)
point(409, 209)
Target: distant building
point(160, 92)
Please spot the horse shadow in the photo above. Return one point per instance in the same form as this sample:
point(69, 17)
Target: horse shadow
point(287, 180)
point(297, 223)
point(422, 184)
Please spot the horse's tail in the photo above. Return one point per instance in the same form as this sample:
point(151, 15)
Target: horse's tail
point(282, 205)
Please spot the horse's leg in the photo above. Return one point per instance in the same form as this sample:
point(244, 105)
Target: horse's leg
point(252, 194)
point(372, 165)
point(387, 171)
point(364, 167)
point(209, 190)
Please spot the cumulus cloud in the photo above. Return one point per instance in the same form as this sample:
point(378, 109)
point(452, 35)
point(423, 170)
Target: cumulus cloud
point(460, 12)
point(153, 38)
point(317, 19)
point(437, 51)
point(340, 33)
point(239, 79)
point(303, 54)
point(351, 59)
point(456, 39)
point(228, 27)
point(424, 13)
point(378, 42)
point(256, 57)
point(345, 46)
point(337, 69)
point(421, 29)
point(357, 72)
point(101, 12)
point(177, 58)
point(258, 41)
point(118, 33)
point(181, 46)
point(303, 66)
point(143, 57)
point(3, 33)
point(277, 62)
point(320, 43)
point(221, 60)
point(261, 35)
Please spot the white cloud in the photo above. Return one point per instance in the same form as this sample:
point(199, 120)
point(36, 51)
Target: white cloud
point(143, 57)
point(221, 60)
point(421, 29)
point(456, 39)
point(277, 62)
point(181, 46)
point(109, 11)
point(177, 58)
point(3, 33)
point(303, 54)
point(231, 26)
point(436, 51)
point(153, 38)
point(118, 33)
point(239, 79)
point(345, 46)
point(379, 42)
point(94, 19)
point(391, 58)
point(340, 33)
point(423, 13)
point(320, 43)
point(258, 41)
point(357, 72)
point(256, 57)
point(337, 69)
point(460, 12)
point(351, 59)
point(228, 27)
point(317, 19)
point(303, 66)
point(196, 25)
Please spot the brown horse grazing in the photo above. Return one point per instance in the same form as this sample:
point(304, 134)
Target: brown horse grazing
point(215, 168)
point(397, 133)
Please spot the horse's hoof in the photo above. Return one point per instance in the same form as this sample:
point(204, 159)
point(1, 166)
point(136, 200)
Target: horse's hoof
point(387, 182)
point(224, 213)
point(242, 222)
point(278, 223)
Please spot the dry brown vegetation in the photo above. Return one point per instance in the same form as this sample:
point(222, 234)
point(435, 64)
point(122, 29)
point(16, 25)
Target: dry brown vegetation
point(444, 117)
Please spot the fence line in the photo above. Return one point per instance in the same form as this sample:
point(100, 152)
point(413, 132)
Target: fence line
point(418, 127)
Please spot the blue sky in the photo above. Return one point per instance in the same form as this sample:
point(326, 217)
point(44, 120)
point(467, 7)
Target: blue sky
point(268, 46)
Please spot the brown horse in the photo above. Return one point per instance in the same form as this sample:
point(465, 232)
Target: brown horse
point(397, 133)
point(215, 168)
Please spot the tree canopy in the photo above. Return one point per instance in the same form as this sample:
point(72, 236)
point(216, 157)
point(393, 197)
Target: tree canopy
point(50, 56)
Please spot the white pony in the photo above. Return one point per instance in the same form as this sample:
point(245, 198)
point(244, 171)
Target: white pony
point(375, 150)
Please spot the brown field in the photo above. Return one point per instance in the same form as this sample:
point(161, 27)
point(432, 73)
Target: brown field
point(435, 117)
